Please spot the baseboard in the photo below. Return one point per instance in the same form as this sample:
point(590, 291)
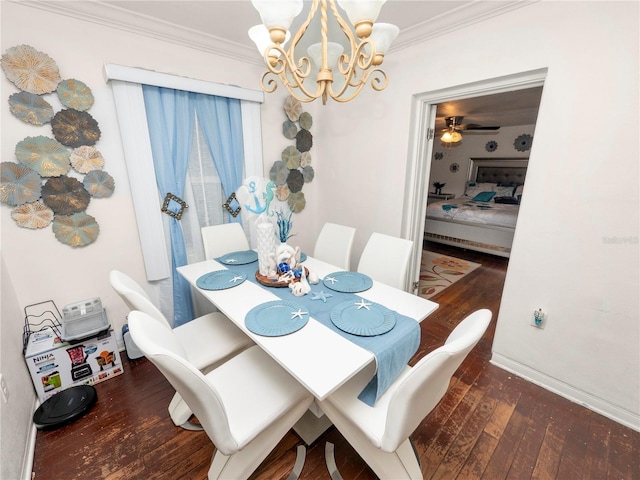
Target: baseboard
point(598, 405)
point(30, 447)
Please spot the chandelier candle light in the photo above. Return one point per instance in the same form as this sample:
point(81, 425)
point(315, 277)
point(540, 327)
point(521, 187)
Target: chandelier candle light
point(357, 66)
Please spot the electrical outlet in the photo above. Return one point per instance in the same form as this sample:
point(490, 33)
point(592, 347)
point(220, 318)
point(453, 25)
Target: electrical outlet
point(4, 389)
point(539, 318)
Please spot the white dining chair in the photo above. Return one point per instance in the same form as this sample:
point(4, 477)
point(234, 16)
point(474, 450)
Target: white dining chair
point(209, 340)
point(246, 405)
point(334, 244)
point(386, 259)
point(380, 434)
point(224, 238)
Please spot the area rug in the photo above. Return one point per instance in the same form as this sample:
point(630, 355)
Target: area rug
point(438, 272)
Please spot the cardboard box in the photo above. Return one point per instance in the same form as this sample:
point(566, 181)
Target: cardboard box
point(55, 365)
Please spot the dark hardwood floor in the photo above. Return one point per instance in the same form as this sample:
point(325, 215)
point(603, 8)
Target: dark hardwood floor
point(490, 425)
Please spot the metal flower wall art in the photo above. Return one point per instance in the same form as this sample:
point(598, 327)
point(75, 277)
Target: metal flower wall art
point(57, 173)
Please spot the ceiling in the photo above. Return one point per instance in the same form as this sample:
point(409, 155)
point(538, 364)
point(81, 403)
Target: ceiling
point(221, 26)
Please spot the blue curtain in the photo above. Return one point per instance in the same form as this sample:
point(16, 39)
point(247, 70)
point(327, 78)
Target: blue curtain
point(221, 121)
point(171, 118)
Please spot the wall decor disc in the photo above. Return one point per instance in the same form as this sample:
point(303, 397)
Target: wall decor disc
point(279, 172)
point(523, 142)
point(295, 180)
point(99, 184)
point(44, 155)
point(306, 120)
point(30, 70)
point(74, 128)
point(282, 192)
point(289, 129)
point(30, 108)
point(296, 202)
point(77, 230)
point(65, 195)
point(75, 94)
point(292, 108)
point(32, 215)
point(304, 140)
point(305, 159)
point(84, 159)
point(19, 184)
point(291, 157)
point(491, 146)
point(454, 167)
point(308, 173)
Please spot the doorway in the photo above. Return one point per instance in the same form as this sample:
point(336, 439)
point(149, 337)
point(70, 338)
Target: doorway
point(423, 136)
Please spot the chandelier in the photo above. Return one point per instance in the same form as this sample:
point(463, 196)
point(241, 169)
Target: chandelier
point(357, 67)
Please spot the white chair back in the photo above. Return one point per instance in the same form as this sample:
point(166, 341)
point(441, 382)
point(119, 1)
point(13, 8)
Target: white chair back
point(164, 350)
point(134, 296)
point(224, 238)
point(386, 259)
point(424, 385)
point(334, 245)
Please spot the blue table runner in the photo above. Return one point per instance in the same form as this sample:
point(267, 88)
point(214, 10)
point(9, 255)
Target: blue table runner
point(392, 350)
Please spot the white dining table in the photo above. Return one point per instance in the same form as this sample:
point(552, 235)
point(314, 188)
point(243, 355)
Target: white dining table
point(318, 357)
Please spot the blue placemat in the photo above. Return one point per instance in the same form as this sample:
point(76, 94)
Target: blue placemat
point(363, 318)
point(276, 318)
point(239, 258)
point(392, 350)
point(220, 280)
point(349, 282)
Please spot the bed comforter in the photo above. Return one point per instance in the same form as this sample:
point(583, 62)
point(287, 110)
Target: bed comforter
point(463, 209)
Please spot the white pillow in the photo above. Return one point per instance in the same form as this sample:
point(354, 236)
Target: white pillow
point(503, 191)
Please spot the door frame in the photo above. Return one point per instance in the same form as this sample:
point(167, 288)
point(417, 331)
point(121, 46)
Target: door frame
point(420, 151)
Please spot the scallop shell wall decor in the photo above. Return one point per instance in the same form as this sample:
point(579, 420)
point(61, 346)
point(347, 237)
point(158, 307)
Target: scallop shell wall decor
point(305, 159)
point(296, 202)
point(77, 230)
point(99, 184)
point(282, 192)
point(306, 120)
point(84, 159)
point(19, 184)
point(291, 157)
point(30, 70)
point(74, 128)
point(308, 173)
point(32, 215)
point(75, 94)
point(304, 140)
point(289, 129)
point(295, 180)
point(278, 173)
point(30, 108)
point(44, 155)
point(292, 108)
point(65, 195)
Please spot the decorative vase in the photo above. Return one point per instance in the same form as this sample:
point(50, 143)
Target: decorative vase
point(266, 245)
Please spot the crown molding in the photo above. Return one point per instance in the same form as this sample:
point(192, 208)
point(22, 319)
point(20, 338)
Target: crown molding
point(112, 16)
point(102, 13)
point(455, 19)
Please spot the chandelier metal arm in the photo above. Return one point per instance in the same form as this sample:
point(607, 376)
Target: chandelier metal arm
point(355, 65)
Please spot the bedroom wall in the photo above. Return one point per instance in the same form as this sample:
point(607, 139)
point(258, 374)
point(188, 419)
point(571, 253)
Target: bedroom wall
point(574, 255)
point(472, 146)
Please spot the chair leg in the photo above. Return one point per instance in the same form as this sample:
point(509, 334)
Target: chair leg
point(242, 464)
point(180, 413)
point(401, 464)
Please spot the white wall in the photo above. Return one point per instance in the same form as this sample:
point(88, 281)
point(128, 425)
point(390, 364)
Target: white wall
point(575, 252)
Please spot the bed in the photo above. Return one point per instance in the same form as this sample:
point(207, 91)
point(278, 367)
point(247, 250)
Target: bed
point(484, 217)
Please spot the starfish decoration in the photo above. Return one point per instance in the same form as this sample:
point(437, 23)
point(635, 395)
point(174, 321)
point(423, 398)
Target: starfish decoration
point(299, 314)
point(363, 304)
point(320, 296)
point(331, 279)
point(236, 279)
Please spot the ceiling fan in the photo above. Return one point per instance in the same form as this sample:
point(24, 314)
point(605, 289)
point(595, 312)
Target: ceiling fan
point(455, 128)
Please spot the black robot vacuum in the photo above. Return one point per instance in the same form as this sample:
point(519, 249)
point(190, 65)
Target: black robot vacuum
point(65, 407)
